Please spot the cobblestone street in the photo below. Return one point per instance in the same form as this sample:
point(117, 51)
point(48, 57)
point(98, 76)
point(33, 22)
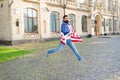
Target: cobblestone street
point(102, 63)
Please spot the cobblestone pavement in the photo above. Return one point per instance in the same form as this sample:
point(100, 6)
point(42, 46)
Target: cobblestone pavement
point(102, 63)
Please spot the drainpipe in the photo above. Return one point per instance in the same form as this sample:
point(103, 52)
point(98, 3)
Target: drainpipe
point(39, 19)
point(10, 2)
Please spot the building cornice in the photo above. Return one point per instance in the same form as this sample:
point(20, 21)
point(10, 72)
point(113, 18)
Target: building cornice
point(70, 8)
point(32, 1)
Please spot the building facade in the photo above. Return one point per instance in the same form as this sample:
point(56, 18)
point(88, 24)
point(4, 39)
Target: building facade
point(36, 20)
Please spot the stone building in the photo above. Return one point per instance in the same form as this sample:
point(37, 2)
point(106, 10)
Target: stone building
point(36, 20)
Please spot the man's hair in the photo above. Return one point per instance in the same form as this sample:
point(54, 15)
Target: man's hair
point(65, 16)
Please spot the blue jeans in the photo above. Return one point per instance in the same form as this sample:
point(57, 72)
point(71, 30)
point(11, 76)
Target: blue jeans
point(70, 44)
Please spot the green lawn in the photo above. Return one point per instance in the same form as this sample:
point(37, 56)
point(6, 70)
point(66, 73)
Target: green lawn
point(11, 53)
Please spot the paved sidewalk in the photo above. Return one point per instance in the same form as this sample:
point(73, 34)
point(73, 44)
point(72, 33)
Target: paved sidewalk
point(102, 63)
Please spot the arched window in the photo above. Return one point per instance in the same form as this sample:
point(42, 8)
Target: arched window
point(84, 23)
point(109, 5)
point(94, 2)
point(54, 21)
point(72, 20)
point(30, 20)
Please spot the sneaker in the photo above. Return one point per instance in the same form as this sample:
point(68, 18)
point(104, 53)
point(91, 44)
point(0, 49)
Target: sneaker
point(81, 59)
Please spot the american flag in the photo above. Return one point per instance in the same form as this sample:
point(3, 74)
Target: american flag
point(74, 36)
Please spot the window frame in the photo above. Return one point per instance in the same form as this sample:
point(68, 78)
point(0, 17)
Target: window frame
point(84, 29)
point(55, 24)
point(74, 21)
point(32, 18)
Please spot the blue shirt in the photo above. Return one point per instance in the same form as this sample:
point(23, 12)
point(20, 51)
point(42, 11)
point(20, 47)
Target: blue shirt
point(64, 28)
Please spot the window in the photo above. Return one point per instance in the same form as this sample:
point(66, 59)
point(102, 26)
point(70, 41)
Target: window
point(17, 23)
point(109, 24)
point(2, 5)
point(84, 23)
point(119, 25)
point(114, 5)
point(54, 21)
point(44, 26)
point(104, 24)
point(94, 2)
point(109, 5)
point(115, 23)
point(30, 21)
point(72, 20)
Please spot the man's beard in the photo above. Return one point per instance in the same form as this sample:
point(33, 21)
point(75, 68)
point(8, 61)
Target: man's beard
point(66, 21)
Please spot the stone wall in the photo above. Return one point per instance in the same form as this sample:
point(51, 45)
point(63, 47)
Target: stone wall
point(5, 21)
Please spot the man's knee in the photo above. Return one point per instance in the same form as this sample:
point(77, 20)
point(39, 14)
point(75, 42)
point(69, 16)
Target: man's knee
point(58, 49)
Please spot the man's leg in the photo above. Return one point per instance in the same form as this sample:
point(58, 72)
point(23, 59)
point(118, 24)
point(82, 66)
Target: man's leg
point(55, 49)
point(72, 46)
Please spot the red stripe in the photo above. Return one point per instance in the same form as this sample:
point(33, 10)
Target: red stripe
point(62, 42)
point(76, 40)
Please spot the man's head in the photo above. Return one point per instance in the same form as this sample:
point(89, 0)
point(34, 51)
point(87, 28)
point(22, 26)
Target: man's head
point(65, 19)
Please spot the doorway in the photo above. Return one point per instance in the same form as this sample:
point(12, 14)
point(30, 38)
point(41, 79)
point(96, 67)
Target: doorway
point(97, 26)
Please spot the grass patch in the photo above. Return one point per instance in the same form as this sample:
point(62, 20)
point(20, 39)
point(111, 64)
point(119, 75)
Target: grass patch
point(11, 53)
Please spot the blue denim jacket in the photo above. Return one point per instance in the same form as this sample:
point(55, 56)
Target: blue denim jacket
point(64, 28)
